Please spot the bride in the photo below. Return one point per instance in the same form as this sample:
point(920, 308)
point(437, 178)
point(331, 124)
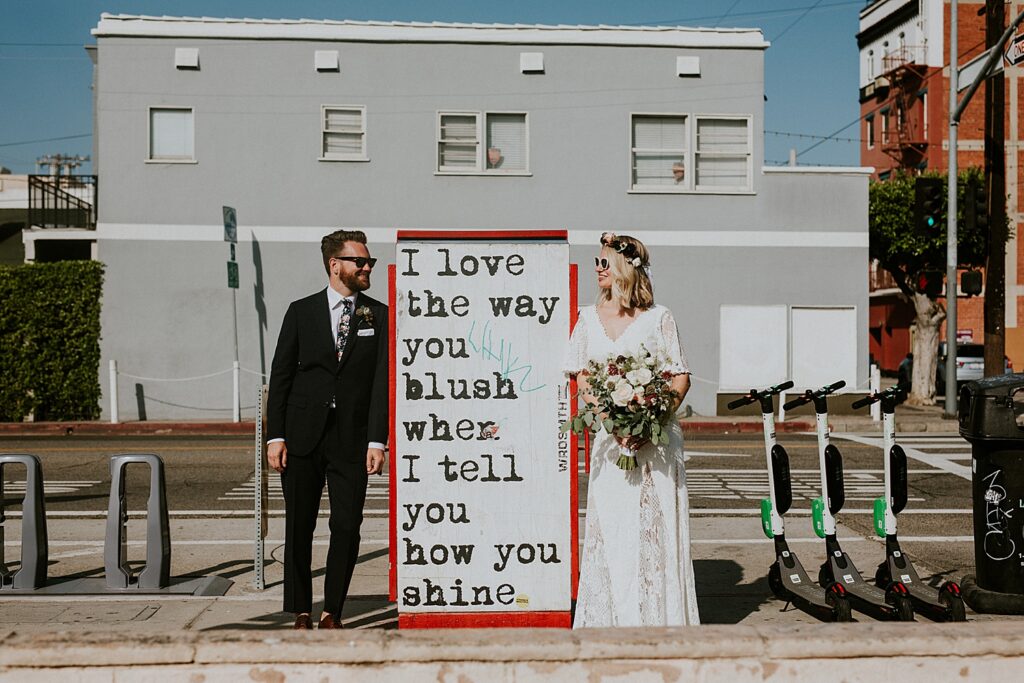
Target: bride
point(636, 568)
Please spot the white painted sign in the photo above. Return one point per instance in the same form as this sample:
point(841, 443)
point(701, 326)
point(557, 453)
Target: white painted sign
point(1015, 51)
point(482, 474)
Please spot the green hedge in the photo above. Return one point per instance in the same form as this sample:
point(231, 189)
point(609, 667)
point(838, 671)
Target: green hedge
point(50, 340)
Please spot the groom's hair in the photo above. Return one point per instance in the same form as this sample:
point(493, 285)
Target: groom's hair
point(331, 245)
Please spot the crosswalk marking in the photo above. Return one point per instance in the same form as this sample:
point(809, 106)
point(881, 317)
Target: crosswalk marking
point(931, 450)
point(49, 487)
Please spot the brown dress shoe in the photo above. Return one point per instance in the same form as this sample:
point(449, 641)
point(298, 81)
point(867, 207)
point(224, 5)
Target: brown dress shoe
point(328, 621)
point(303, 623)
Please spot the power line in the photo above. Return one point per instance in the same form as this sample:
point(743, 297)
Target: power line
point(795, 22)
point(727, 12)
point(30, 142)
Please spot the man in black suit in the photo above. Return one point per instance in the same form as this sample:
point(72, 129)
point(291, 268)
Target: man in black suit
point(327, 416)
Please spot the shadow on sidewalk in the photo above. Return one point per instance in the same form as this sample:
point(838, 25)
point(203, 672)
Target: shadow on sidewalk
point(360, 612)
point(722, 597)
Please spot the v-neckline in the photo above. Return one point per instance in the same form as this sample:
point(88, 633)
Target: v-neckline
point(626, 329)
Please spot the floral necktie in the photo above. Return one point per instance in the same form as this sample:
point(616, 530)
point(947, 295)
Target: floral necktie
point(343, 324)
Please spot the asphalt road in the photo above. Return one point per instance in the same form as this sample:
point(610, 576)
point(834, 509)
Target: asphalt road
point(726, 477)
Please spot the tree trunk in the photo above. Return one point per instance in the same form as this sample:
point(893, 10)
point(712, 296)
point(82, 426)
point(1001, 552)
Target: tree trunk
point(928, 318)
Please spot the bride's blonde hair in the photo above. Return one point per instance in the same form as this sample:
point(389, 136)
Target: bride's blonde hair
point(628, 263)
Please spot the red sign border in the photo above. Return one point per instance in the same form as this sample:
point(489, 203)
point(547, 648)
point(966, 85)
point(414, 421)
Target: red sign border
point(549, 619)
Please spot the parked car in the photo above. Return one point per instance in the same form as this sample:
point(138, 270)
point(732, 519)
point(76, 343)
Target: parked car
point(970, 365)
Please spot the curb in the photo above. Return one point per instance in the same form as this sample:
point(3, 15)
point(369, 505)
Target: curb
point(789, 653)
point(28, 429)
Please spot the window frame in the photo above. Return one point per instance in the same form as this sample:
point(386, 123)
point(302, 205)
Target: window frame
point(690, 186)
point(150, 159)
point(480, 168)
point(687, 155)
point(363, 155)
point(869, 132)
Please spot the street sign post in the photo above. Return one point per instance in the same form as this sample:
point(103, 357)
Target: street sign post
point(231, 236)
point(230, 225)
point(969, 71)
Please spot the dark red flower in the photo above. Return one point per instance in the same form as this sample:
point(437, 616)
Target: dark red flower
point(666, 375)
point(613, 369)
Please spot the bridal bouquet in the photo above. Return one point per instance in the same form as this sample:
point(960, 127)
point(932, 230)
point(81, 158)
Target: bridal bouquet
point(634, 398)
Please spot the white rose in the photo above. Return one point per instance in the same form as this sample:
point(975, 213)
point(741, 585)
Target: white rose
point(639, 377)
point(622, 394)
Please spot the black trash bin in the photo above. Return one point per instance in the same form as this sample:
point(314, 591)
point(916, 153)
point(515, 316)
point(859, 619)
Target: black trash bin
point(991, 415)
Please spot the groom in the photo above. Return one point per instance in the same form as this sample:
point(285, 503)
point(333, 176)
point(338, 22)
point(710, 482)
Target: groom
point(327, 416)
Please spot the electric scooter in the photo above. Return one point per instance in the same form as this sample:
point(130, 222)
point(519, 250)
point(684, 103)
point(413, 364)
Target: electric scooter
point(944, 603)
point(786, 576)
point(894, 601)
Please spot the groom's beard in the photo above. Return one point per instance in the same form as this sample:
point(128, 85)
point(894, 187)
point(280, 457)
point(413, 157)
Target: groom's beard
point(359, 281)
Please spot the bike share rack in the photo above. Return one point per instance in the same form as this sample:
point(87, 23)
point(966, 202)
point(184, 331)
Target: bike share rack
point(157, 572)
point(155, 577)
point(34, 544)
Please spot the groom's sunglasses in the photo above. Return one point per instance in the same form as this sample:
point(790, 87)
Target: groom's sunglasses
point(360, 261)
point(601, 263)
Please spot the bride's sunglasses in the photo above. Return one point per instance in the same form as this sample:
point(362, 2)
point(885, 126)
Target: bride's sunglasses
point(601, 263)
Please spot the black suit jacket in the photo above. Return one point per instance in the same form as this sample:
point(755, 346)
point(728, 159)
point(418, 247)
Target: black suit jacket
point(306, 375)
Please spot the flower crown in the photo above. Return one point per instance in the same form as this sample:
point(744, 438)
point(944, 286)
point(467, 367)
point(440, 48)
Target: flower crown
point(627, 249)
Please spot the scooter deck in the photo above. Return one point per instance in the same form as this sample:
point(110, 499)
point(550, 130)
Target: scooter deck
point(925, 598)
point(864, 596)
point(801, 589)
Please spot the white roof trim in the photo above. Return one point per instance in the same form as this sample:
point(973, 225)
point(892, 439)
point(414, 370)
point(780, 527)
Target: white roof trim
point(124, 25)
point(825, 170)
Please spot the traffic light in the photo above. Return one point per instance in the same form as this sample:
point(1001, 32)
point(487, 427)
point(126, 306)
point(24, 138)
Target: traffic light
point(970, 282)
point(976, 207)
point(928, 199)
point(929, 283)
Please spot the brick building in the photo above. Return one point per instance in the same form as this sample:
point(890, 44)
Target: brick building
point(904, 102)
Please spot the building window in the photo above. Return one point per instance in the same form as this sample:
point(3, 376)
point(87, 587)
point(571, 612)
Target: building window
point(659, 152)
point(483, 142)
point(885, 126)
point(343, 133)
point(870, 132)
point(723, 154)
point(924, 114)
point(871, 65)
point(171, 134)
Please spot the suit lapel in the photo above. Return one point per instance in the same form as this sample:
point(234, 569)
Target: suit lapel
point(322, 323)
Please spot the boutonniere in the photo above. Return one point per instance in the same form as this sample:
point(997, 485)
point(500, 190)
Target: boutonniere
point(365, 314)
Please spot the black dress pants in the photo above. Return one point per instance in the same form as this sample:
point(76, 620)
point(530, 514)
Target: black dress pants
point(303, 484)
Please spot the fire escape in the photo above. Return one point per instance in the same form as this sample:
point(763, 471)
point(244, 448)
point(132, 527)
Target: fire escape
point(903, 134)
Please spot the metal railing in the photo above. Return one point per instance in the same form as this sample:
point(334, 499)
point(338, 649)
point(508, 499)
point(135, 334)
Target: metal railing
point(62, 201)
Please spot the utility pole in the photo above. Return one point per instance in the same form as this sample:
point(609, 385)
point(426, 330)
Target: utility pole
point(951, 226)
point(995, 186)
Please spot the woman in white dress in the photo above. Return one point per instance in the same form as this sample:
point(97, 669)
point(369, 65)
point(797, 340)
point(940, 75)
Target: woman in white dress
point(636, 568)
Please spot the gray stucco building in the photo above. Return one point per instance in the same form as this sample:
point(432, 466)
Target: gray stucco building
point(308, 126)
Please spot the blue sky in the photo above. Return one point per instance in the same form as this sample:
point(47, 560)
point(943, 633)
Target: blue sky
point(810, 69)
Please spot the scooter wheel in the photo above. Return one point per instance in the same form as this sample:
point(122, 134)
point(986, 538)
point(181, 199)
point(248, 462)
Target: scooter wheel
point(904, 608)
point(949, 597)
point(775, 581)
point(836, 598)
point(825, 576)
point(882, 579)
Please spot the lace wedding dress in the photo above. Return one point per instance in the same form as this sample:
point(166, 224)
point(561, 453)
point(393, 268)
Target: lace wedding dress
point(636, 568)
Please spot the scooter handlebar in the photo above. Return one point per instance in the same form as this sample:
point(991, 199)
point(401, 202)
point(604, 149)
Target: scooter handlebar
point(755, 395)
point(796, 402)
point(833, 387)
point(866, 401)
point(733, 405)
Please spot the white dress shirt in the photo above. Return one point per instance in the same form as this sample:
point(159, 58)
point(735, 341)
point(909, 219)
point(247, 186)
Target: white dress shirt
point(334, 306)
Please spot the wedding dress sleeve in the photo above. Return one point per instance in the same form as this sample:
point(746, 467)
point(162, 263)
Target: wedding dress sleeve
point(576, 354)
point(671, 346)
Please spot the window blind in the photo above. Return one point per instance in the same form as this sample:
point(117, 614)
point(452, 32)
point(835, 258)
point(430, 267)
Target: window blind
point(170, 134)
point(507, 133)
